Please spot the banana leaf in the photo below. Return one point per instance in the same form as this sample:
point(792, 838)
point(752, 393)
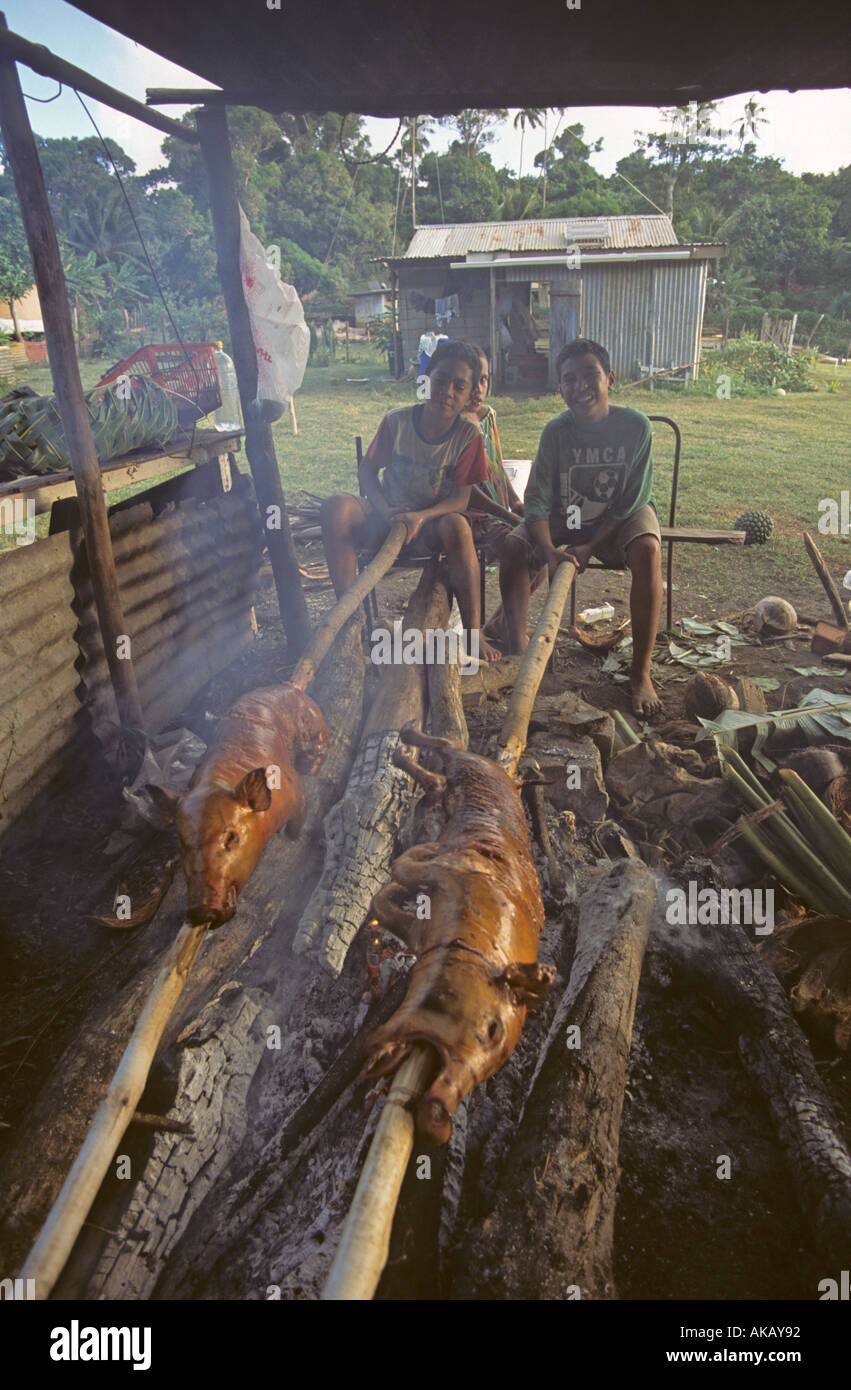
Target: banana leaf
point(820, 715)
point(32, 440)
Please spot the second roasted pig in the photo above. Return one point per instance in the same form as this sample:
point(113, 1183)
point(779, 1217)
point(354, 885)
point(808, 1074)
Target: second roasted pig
point(469, 905)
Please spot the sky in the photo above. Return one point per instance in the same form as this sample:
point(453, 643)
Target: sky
point(808, 131)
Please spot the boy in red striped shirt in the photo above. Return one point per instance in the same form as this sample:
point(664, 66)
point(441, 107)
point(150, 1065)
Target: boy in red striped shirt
point(431, 457)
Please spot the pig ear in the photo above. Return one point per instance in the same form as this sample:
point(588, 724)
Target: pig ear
point(164, 800)
point(253, 791)
point(527, 981)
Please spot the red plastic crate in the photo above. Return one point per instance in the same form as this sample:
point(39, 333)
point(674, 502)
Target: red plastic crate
point(194, 383)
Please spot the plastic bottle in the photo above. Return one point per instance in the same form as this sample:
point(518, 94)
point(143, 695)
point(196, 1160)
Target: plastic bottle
point(227, 417)
point(603, 614)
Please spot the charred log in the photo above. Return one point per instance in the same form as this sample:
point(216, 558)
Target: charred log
point(560, 1179)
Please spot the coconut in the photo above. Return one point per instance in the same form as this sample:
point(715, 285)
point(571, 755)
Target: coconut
point(774, 617)
point(707, 695)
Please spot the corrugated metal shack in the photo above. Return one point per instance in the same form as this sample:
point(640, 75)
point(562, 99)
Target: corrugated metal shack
point(187, 559)
point(624, 281)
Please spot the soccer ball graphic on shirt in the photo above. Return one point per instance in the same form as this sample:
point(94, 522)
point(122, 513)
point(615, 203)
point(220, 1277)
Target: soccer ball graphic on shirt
point(605, 485)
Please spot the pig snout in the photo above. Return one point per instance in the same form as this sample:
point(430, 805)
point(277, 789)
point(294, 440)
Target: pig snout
point(208, 903)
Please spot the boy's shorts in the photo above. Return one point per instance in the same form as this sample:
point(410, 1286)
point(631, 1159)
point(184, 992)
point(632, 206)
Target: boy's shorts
point(377, 529)
point(644, 522)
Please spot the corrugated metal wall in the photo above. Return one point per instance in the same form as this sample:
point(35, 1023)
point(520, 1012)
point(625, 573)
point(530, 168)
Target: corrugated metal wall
point(40, 712)
point(645, 313)
point(187, 580)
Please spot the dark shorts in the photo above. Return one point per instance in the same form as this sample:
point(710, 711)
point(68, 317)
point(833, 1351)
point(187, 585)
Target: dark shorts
point(644, 522)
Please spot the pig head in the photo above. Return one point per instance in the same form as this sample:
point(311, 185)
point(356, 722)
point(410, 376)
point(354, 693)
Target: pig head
point(477, 971)
point(246, 788)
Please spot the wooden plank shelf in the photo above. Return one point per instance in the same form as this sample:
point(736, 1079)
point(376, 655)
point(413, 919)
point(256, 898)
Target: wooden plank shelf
point(140, 466)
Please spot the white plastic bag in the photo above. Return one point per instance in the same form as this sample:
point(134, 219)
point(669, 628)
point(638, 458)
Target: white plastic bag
point(281, 336)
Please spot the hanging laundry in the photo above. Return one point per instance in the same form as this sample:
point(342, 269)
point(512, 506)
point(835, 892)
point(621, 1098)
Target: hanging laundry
point(446, 309)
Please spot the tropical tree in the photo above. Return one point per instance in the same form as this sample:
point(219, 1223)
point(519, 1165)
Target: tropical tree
point(689, 137)
point(731, 289)
point(16, 273)
point(84, 284)
point(531, 117)
point(475, 128)
point(752, 118)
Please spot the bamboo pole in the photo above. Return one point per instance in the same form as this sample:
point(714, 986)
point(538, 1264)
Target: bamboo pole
point(362, 1252)
point(42, 61)
point(826, 580)
point(345, 606)
point(541, 645)
point(47, 1258)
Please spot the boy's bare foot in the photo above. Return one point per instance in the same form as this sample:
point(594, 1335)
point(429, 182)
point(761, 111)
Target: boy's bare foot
point(645, 701)
point(487, 652)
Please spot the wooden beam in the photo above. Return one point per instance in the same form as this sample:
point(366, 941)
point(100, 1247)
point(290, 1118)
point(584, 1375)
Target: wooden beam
point(259, 447)
point(192, 96)
point(50, 281)
point(41, 60)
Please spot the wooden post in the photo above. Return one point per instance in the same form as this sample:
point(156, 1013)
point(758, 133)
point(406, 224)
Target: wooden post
point(259, 448)
point(59, 332)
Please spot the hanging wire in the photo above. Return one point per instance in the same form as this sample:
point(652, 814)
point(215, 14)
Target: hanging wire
point(44, 100)
point(373, 159)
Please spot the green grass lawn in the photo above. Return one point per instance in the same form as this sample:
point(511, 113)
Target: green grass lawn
point(782, 454)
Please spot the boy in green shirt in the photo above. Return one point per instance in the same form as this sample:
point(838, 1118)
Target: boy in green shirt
point(591, 491)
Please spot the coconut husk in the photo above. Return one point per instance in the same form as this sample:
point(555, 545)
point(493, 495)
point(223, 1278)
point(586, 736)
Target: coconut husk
point(812, 959)
point(604, 643)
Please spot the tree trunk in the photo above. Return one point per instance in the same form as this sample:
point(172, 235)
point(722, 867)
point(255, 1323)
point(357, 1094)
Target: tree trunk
point(16, 330)
point(560, 1179)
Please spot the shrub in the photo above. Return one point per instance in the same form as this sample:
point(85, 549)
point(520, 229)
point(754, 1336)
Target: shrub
point(757, 369)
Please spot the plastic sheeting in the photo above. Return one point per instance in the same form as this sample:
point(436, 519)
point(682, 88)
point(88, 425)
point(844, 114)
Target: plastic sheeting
point(281, 336)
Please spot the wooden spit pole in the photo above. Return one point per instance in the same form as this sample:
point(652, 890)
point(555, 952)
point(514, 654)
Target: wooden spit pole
point(47, 1258)
point(362, 1252)
point(345, 606)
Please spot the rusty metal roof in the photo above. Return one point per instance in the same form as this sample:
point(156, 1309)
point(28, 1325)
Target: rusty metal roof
point(547, 234)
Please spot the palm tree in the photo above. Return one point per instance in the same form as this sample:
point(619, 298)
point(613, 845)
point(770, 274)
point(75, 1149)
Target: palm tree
point(85, 285)
point(559, 112)
point(532, 117)
point(753, 117)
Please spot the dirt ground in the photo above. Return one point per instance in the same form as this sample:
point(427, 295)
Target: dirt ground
point(680, 1232)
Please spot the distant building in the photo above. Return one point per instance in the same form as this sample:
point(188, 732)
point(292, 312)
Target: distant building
point(371, 302)
point(624, 281)
point(27, 312)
